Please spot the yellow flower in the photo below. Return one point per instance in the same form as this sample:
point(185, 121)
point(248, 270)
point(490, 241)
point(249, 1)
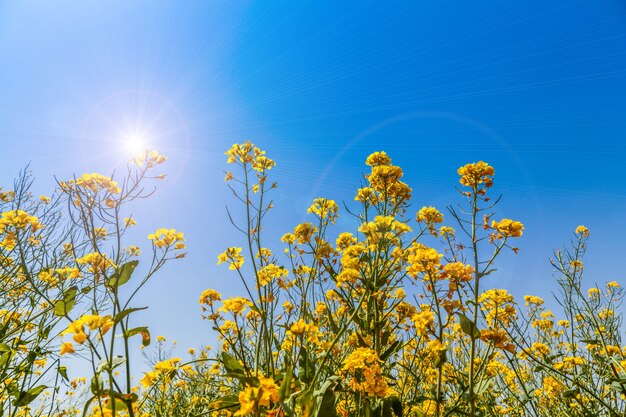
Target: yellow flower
point(288, 238)
point(235, 305)
point(582, 231)
point(446, 231)
point(429, 408)
point(129, 221)
point(162, 372)
point(165, 238)
point(324, 209)
point(270, 272)
point(424, 322)
point(208, 296)
point(66, 347)
point(472, 175)
point(576, 264)
point(303, 232)
point(498, 305)
point(93, 182)
point(133, 250)
point(423, 259)
point(19, 220)
point(362, 367)
point(429, 215)
point(458, 272)
point(378, 158)
point(150, 158)
point(508, 227)
point(97, 263)
point(383, 228)
point(540, 349)
point(232, 256)
point(366, 195)
point(534, 300)
point(251, 398)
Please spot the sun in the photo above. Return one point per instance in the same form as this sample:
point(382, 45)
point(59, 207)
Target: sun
point(135, 144)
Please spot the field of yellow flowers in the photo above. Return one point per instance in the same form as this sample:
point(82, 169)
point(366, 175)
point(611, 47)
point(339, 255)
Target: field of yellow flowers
point(372, 322)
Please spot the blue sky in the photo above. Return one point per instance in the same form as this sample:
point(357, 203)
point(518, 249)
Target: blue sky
point(536, 88)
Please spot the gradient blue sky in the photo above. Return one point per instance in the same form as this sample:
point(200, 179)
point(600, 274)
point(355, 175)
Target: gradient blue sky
point(536, 88)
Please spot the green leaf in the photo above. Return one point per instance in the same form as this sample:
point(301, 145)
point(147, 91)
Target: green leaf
point(396, 405)
point(468, 326)
point(306, 367)
point(285, 386)
point(390, 406)
point(442, 358)
point(64, 306)
point(96, 385)
point(570, 393)
point(231, 364)
point(122, 274)
point(119, 316)
point(143, 331)
point(26, 397)
point(109, 366)
point(62, 370)
point(326, 398)
point(227, 401)
point(481, 386)
point(390, 350)
point(4, 358)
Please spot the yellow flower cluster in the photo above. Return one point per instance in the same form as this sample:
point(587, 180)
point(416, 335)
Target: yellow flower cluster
point(429, 215)
point(54, 276)
point(378, 158)
point(366, 195)
point(362, 367)
point(150, 158)
point(235, 305)
point(251, 398)
point(423, 260)
point(582, 231)
point(77, 329)
point(247, 153)
point(19, 220)
point(233, 256)
point(424, 322)
point(270, 272)
point(324, 209)
point(162, 372)
point(13, 221)
point(457, 272)
point(475, 174)
point(92, 182)
point(383, 229)
point(384, 180)
point(507, 228)
point(303, 232)
point(533, 300)
point(208, 296)
point(165, 238)
point(97, 263)
point(498, 306)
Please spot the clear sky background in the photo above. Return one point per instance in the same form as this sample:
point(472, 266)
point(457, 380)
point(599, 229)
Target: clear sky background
point(536, 88)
